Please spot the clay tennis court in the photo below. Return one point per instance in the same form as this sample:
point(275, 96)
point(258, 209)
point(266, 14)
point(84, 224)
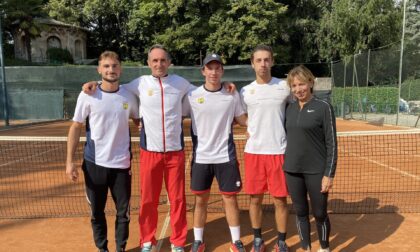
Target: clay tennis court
point(360, 182)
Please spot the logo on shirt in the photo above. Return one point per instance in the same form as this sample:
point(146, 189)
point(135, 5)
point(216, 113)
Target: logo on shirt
point(200, 100)
point(125, 105)
point(252, 91)
point(310, 110)
point(150, 92)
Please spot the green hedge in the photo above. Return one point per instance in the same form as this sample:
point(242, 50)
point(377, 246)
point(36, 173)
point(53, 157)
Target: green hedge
point(59, 55)
point(366, 99)
point(410, 90)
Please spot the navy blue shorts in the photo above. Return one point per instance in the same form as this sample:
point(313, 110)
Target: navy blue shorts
point(227, 175)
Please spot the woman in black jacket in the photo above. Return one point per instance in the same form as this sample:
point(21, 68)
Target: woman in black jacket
point(311, 155)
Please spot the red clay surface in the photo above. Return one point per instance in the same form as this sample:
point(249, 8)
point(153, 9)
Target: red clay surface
point(351, 232)
point(61, 128)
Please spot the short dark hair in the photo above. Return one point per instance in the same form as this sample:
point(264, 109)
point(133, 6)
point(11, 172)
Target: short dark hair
point(262, 48)
point(109, 54)
point(159, 46)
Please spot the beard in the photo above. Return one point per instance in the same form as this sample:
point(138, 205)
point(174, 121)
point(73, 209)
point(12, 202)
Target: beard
point(111, 80)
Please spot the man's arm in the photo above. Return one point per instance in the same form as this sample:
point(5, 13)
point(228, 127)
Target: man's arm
point(242, 120)
point(136, 122)
point(72, 142)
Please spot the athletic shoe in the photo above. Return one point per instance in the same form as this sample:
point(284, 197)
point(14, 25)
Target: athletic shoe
point(176, 248)
point(198, 246)
point(324, 250)
point(281, 246)
point(121, 249)
point(238, 246)
point(258, 245)
point(149, 248)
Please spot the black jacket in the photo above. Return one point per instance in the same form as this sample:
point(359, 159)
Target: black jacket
point(311, 138)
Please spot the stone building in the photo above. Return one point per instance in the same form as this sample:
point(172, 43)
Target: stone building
point(57, 35)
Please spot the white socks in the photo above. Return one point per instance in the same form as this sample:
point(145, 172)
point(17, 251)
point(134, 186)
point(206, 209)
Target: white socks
point(235, 232)
point(198, 234)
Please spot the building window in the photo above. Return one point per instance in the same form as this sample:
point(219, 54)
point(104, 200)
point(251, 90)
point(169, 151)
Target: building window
point(53, 42)
point(78, 49)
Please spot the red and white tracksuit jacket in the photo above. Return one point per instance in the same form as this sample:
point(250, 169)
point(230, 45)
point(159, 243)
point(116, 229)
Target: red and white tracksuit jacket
point(161, 156)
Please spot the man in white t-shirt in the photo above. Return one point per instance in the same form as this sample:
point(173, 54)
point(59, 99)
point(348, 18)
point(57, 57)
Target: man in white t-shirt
point(213, 110)
point(107, 152)
point(265, 102)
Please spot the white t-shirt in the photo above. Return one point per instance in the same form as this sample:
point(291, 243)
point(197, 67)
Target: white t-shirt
point(107, 130)
point(266, 106)
point(212, 114)
point(160, 111)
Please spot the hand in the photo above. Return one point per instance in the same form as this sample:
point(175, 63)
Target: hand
point(89, 87)
point(71, 172)
point(327, 183)
point(247, 135)
point(229, 86)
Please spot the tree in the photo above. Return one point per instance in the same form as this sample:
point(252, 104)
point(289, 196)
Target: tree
point(241, 25)
point(303, 22)
point(354, 25)
point(20, 20)
point(412, 40)
point(182, 26)
point(107, 22)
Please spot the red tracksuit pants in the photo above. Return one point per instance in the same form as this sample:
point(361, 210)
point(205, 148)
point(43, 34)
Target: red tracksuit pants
point(156, 167)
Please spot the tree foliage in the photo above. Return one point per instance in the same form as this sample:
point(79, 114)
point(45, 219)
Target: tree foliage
point(107, 22)
point(241, 25)
point(299, 30)
point(20, 20)
point(355, 25)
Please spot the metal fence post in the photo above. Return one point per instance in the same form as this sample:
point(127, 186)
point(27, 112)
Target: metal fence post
point(3, 77)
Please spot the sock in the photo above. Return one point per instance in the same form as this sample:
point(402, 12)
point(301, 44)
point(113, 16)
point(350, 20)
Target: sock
point(147, 244)
point(235, 232)
point(198, 234)
point(281, 236)
point(257, 233)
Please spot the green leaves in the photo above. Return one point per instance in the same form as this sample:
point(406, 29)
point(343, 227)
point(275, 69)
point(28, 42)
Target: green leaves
point(355, 25)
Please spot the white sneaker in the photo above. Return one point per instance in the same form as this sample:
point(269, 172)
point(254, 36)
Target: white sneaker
point(324, 250)
point(176, 248)
point(149, 248)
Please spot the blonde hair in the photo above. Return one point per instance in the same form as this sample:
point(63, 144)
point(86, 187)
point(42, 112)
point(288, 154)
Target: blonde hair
point(109, 54)
point(302, 73)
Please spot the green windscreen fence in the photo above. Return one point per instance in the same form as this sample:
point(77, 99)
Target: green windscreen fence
point(49, 93)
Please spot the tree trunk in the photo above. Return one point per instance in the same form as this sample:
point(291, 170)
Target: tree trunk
point(27, 40)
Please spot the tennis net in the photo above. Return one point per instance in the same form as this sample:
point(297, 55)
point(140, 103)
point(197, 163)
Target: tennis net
point(378, 172)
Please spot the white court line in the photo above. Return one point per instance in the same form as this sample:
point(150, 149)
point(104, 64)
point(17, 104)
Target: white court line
point(405, 152)
point(163, 231)
point(416, 177)
point(165, 226)
point(21, 159)
point(167, 220)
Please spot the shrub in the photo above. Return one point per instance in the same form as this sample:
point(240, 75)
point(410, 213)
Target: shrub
point(59, 56)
